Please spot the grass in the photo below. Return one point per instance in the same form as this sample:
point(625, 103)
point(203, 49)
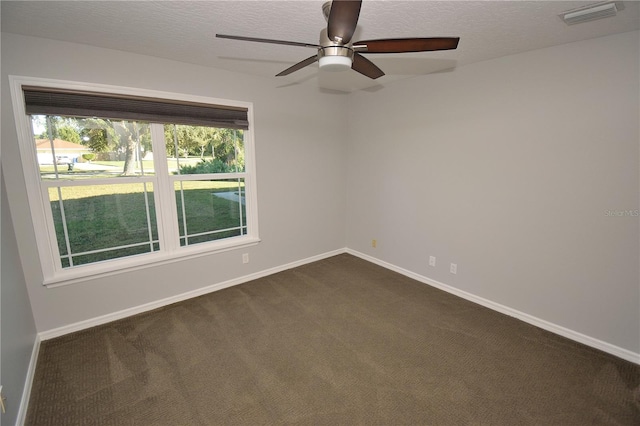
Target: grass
point(83, 192)
point(101, 222)
point(107, 216)
point(149, 164)
point(109, 169)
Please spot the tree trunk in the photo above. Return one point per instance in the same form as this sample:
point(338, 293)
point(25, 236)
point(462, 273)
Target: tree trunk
point(129, 157)
point(126, 138)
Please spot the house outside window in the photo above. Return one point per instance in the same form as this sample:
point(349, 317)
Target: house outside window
point(121, 178)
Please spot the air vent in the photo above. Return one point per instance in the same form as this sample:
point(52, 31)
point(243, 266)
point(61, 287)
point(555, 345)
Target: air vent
point(591, 12)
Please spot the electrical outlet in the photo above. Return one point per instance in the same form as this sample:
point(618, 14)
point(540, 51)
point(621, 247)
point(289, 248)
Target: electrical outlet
point(432, 261)
point(453, 268)
point(245, 258)
point(374, 243)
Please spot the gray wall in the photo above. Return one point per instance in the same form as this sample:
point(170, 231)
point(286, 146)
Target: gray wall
point(507, 167)
point(18, 328)
point(300, 174)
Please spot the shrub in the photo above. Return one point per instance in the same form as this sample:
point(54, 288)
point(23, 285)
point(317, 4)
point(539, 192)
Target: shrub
point(208, 166)
point(88, 157)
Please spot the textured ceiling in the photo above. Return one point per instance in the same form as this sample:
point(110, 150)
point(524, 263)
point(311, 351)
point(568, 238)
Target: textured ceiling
point(185, 31)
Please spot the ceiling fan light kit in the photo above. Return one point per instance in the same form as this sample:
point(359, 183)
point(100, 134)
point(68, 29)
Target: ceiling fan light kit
point(335, 52)
point(591, 12)
point(335, 58)
point(335, 63)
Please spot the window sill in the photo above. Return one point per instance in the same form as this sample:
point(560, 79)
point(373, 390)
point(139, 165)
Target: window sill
point(116, 267)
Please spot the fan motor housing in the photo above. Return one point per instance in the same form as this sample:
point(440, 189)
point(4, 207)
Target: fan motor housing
point(335, 51)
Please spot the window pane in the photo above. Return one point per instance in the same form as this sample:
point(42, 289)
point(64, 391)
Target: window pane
point(81, 148)
point(101, 222)
point(210, 210)
point(203, 150)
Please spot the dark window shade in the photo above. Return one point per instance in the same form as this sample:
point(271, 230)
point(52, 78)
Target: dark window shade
point(45, 100)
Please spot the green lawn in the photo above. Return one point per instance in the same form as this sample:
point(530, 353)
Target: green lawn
point(82, 192)
point(102, 221)
point(149, 164)
point(105, 216)
point(109, 169)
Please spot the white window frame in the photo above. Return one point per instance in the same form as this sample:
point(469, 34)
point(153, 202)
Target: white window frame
point(170, 250)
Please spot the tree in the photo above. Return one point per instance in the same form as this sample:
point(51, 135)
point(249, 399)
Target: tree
point(128, 138)
point(69, 134)
point(55, 127)
point(131, 136)
point(202, 137)
point(229, 147)
point(125, 132)
point(193, 140)
point(95, 138)
point(226, 145)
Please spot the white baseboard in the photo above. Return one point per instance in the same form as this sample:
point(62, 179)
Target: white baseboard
point(92, 322)
point(28, 382)
point(545, 325)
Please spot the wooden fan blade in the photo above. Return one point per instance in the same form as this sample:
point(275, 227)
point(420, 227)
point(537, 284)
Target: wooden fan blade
point(299, 65)
point(343, 19)
point(365, 67)
point(267, 40)
point(401, 45)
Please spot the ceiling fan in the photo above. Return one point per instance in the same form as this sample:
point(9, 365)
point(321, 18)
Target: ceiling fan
point(335, 52)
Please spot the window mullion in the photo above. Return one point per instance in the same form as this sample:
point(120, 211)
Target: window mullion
point(250, 190)
point(184, 214)
point(167, 217)
point(64, 226)
point(53, 261)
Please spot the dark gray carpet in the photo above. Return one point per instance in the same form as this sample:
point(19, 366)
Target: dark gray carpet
point(337, 342)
